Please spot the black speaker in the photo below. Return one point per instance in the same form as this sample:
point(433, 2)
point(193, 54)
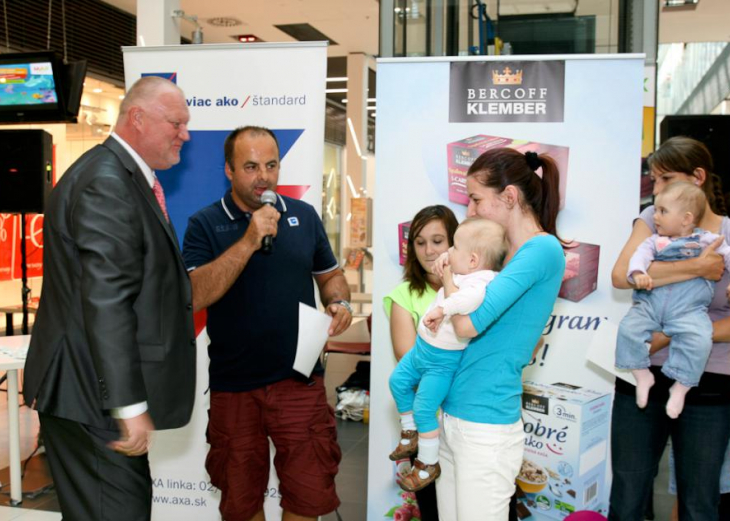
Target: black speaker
point(713, 131)
point(26, 170)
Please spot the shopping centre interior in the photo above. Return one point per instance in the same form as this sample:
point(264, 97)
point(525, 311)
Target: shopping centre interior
point(686, 44)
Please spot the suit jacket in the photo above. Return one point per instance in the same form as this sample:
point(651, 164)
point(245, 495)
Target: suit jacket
point(115, 324)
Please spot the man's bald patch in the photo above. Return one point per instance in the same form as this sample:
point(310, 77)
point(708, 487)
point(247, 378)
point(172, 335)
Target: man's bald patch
point(145, 90)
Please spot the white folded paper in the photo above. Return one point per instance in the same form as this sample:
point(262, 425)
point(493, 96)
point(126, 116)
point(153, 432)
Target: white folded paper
point(602, 352)
point(313, 333)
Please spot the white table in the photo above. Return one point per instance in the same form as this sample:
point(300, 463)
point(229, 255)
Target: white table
point(12, 357)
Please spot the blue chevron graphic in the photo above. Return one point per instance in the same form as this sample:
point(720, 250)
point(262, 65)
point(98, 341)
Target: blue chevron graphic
point(199, 179)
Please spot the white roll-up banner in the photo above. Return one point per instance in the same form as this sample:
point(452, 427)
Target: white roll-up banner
point(279, 86)
point(435, 116)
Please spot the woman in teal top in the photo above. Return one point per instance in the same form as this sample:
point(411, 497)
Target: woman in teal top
point(431, 234)
point(482, 438)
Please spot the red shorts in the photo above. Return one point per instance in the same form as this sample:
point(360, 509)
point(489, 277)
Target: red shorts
point(301, 425)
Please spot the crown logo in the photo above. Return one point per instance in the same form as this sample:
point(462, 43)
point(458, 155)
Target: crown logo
point(508, 77)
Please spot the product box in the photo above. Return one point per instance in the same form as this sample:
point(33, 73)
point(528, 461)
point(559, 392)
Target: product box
point(566, 445)
point(461, 155)
point(581, 270)
point(403, 229)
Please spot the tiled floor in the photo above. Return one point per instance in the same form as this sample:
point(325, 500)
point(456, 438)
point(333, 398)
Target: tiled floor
point(8, 513)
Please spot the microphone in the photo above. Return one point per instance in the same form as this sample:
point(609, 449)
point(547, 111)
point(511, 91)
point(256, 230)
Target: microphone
point(268, 197)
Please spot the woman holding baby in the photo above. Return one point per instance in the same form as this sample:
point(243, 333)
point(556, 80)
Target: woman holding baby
point(431, 234)
point(482, 437)
point(701, 432)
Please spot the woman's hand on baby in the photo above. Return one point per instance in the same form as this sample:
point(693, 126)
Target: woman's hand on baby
point(658, 342)
point(727, 292)
point(710, 263)
point(433, 319)
point(643, 281)
point(439, 264)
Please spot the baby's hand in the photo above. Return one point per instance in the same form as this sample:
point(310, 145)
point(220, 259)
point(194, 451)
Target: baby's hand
point(439, 264)
point(643, 281)
point(433, 319)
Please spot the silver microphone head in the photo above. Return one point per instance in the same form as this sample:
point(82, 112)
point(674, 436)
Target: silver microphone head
point(268, 197)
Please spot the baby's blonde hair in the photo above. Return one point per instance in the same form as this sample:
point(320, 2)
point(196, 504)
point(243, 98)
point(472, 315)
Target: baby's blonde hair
point(487, 239)
point(691, 198)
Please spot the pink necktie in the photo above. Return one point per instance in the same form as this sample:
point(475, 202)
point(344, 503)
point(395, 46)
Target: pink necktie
point(160, 196)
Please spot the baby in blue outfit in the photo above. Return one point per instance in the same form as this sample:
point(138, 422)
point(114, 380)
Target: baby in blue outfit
point(479, 249)
point(679, 309)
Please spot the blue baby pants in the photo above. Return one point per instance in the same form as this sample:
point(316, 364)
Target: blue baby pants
point(680, 311)
point(431, 370)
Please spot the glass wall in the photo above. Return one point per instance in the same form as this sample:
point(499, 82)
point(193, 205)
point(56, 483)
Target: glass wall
point(331, 205)
point(680, 69)
point(474, 27)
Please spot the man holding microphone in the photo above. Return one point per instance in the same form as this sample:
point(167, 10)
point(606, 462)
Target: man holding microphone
point(252, 294)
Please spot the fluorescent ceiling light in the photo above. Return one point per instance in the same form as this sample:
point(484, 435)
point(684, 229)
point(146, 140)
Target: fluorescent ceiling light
point(354, 137)
point(334, 91)
point(354, 193)
point(680, 3)
point(370, 100)
point(337, 78)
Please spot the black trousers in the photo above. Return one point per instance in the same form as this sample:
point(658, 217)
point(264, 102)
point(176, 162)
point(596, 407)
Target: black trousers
point(93, 482)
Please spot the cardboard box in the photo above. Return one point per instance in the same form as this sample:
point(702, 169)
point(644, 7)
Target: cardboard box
point(581, 270)
point(566, 445)
point(461, 155)
point(403, 229)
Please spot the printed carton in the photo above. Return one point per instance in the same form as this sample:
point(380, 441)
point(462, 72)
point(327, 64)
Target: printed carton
point(403, 229)
point(581, 271)
point(462, 153)
point(566, 442)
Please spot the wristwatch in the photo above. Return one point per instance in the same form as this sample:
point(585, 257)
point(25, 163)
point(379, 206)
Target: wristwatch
point(345, 304)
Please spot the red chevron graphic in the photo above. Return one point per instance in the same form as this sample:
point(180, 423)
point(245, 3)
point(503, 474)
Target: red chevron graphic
point(293, 191)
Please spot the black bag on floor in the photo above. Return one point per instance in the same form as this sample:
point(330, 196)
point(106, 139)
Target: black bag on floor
point(360, 379)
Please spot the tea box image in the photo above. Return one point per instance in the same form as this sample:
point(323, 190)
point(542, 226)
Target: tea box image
point(461, 154)
point(403, 229)
point(566, 443)
point(581, 271)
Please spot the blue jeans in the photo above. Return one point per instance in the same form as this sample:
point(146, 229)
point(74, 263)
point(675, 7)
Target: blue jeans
point(431, 370)
point(638, 439)
point(680, 311)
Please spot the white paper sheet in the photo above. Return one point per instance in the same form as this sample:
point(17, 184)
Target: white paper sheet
point(313, 333)
point(602, 352)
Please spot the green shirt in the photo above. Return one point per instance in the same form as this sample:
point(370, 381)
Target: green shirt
point(410, 300)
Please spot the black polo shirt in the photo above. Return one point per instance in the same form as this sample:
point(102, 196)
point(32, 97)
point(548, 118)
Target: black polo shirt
point(253, 327)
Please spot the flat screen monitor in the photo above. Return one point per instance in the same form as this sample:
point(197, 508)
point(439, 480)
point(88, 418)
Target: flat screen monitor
point(31, 88)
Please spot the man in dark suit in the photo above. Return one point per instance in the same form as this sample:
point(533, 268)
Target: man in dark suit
point(112, 355)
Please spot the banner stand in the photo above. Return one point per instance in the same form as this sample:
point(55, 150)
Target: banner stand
point(280, 86)
point(435, 116)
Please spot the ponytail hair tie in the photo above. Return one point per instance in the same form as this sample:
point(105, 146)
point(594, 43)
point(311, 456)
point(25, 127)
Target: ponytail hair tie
point(533, 160)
